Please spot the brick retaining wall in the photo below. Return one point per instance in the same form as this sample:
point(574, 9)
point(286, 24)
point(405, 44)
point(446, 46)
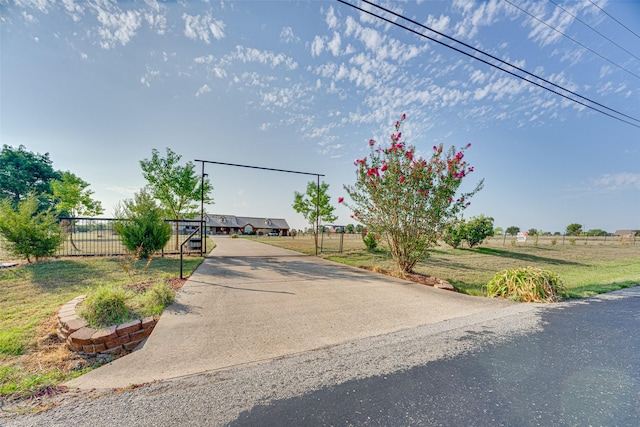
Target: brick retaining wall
point(114, 340)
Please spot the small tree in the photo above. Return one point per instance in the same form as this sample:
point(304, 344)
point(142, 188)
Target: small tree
point(141, 224)
point(454, 232)
point(305, 204)
point(177, 188)
point(409, 199)
point(573, 229)
point(29, 231)
point(513, 230)
point(477, 229)
point(73, 198)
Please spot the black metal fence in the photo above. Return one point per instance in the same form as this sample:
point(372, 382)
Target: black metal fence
point(96, 237)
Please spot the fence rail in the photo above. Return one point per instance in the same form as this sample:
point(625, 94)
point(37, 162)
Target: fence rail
point(97, 237)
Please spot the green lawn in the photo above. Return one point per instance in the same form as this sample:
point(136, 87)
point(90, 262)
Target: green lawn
point(31, 293)
point(586, 269)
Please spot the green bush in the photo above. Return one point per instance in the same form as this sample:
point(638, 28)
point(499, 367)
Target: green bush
point(234, 236)
point(156, 299)
point(453, 233)
point(526, 285)
point(141, 225)
point(29, 232)
point(370, 240)
point(106, 306)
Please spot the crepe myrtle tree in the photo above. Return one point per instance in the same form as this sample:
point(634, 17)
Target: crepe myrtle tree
point(407, 198)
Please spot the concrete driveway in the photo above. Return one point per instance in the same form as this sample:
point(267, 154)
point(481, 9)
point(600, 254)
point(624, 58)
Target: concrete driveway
point(249, 302)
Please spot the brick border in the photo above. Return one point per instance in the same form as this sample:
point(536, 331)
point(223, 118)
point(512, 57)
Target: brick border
point(114, 340)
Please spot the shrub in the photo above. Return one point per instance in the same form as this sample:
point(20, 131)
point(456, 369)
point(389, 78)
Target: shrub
point(106, 306)
point(141, 224)
point(370, 240)
point(453, 233)
point(526, 285)
point(234, 236)
point(156, 299)
point(28, 231)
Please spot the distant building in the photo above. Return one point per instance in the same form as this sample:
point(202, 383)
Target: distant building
point(626, 233)
point(229, 224)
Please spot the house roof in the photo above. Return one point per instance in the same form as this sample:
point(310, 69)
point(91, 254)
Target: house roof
point(626, 232)
point(232, 221)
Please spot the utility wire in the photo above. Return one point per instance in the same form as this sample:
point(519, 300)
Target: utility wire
point(609, 15)
point(572, 39)
point(493, 65)
point(591, 28)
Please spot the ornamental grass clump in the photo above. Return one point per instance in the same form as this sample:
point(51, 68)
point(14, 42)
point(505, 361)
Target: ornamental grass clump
point(107, 305)
point(528, 284)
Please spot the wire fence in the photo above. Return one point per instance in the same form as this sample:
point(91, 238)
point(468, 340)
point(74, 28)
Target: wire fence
point(97, 237)
point(335, 241)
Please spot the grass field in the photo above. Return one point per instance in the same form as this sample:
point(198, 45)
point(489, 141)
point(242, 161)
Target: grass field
point(586, 269)
point(31, 357)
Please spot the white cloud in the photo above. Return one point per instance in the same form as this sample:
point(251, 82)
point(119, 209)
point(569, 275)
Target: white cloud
point(331, 19)
point(117, 27)
point(287, 36)
point(73, 9)
point(198, 27)
point(317, 46)
point(617, 181)
point(334, 44)
point(203, 89)
point(247, 54)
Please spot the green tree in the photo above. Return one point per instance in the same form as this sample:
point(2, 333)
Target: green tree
point(532, 232)
point(513, 230)
point(177, 187)
point(409, 199)
point(573, 229)
point(141, 224)
point(350, 229)
point(498, 231)
point(477, 229)
point(23, 172)
point(359, 228)
point(314, 205)
point(454, 232)
point(73, 199)
point(29, 231)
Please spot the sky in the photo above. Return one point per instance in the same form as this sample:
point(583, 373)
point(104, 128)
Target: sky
point(304, 85)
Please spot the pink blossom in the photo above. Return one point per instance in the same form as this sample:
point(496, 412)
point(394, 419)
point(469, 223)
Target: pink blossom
point(384, 167)
point(371, 142)
point(401, 179)
point(404, 116)
point(340, 199)
point(468, 145)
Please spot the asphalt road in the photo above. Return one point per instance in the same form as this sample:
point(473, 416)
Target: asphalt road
point(573, 363)
point(581, 369)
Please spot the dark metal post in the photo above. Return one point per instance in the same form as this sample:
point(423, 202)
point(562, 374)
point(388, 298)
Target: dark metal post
point(317, 214)
point(202, 238)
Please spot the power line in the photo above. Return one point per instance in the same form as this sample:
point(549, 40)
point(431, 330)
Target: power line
point(572, 39)
point(610, 16)
point(591, 28)
point(491, 64)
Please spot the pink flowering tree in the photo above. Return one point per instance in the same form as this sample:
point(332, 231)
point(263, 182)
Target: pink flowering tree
point(406, 198)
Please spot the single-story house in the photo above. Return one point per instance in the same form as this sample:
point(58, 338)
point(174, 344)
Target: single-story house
point(626, 233)
point(229, 224)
